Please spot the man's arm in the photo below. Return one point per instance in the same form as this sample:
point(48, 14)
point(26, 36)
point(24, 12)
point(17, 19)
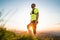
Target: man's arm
point(37, 16)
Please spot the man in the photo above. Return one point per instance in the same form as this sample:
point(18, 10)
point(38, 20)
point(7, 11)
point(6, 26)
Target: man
point(34, 17)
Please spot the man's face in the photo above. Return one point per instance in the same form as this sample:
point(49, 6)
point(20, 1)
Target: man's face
point(32, 6)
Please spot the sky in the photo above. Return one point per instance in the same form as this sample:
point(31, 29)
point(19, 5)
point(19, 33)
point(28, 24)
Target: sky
point(16, 14)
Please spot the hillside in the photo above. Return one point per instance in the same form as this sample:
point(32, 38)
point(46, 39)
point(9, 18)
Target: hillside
point(19, 35)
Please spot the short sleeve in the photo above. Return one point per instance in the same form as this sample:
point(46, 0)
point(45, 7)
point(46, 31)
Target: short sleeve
point(36, 11)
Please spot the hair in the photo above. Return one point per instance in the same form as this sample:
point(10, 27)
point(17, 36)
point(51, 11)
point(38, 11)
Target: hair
point(33, 4)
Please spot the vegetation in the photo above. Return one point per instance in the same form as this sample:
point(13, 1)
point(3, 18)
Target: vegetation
point(8, 35)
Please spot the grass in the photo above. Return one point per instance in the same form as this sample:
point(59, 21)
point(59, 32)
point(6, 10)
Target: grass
point(9, 35)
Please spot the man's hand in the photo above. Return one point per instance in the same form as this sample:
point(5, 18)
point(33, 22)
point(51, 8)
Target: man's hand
point(36, 22)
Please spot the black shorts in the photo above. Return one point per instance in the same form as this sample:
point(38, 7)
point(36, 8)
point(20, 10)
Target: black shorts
point(33, 21)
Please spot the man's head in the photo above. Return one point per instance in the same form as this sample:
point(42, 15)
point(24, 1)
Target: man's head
point(33, 5)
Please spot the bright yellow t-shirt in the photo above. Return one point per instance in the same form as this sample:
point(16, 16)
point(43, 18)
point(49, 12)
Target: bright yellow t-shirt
point(33, 16)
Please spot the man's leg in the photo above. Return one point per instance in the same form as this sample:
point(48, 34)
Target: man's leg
point(34, 29)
